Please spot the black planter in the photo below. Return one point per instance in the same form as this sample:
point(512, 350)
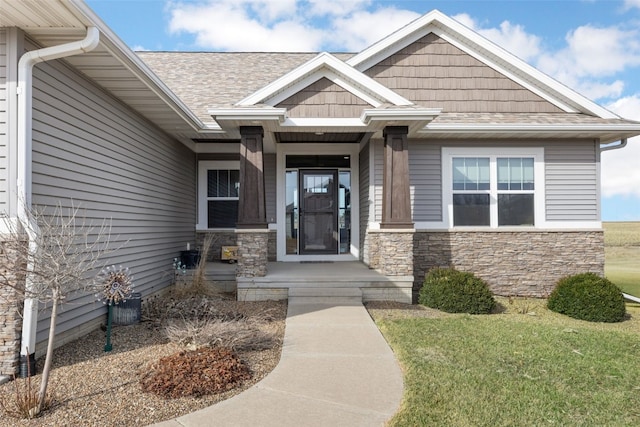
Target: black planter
point(190, 259)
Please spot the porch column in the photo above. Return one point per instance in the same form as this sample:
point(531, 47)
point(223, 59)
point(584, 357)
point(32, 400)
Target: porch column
point(252, 230)
point(396, 196)
point(252, 212)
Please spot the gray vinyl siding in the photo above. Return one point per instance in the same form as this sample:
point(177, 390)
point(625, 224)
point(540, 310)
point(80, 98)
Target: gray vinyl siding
point(378, 164)
point(3, 120)
point(571, 178)
point(270, 186)
point(425, 175)
point(572, 181)
point(364, 201)
point(89, 147)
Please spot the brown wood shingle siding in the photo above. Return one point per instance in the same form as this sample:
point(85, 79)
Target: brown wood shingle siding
point(433, 73)
point(114, 164)
point(324, 99)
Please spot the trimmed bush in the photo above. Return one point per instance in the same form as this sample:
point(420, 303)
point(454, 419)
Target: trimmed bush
point(454, 291)
point(588, 296)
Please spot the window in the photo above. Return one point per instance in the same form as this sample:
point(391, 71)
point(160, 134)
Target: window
point(219, 186)
point(515, 191)
point(471, 187)
point(491, 187)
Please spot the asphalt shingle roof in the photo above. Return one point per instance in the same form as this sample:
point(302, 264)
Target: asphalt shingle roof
point(204, 80)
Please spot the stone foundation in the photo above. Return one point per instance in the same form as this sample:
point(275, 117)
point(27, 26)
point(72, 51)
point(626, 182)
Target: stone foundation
point(10, 318)
point(391, 251)
point(526, 263)
point(252, 253)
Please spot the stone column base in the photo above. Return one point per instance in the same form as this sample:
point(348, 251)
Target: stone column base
point(253, 253)
point(391, 251)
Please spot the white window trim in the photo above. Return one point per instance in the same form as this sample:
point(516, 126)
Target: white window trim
point(203, 167)
point(537, 153)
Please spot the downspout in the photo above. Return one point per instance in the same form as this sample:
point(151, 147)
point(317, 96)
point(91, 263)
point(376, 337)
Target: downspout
point(621, 144)
point(24, 144)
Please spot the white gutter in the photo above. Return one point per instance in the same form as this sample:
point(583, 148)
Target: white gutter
point(24, 142)
point(622, 144)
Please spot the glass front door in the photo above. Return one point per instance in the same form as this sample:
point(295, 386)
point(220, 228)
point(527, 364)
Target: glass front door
point(318, 205)
point(318, 212)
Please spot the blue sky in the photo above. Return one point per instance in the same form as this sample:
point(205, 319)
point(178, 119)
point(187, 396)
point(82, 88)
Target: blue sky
point(591, 46)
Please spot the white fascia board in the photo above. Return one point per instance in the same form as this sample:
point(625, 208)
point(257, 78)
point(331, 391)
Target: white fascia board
point(244, 114)
point(408, 114)
point(303, 122)
point(510, 128)
point(485, 51)
point(324, 65)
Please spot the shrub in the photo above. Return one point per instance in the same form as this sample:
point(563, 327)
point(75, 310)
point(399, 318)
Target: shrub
point(454, 291)
point(195, 373)
point(588, 296)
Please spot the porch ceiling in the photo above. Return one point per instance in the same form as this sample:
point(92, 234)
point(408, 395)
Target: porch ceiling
point(321, 137)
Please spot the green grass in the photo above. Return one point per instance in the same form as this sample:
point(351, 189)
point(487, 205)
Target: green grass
point(515, 369)
point(622, 255)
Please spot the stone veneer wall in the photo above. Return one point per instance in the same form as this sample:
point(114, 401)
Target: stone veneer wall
point(527, 263)
point(10, 319)
point(391, 251)
point(252, 253)
point(229, 238)
point(10, 329)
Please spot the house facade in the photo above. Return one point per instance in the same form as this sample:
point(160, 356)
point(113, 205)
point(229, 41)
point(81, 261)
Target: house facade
point(432, 147)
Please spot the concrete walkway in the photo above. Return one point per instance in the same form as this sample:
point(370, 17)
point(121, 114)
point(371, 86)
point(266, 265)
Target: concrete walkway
point(336, 370)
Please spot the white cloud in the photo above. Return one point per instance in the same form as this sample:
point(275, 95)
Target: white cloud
point(245, 25)
point(590, 57)
point(337, 7)
point(593, 52)
point(632, 3)
point(620, 171)
point(513, 38)
point(593, 89)
point(285, 25)
point(361, 29)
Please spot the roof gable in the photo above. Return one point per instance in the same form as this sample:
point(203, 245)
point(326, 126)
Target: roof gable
point(484, 51)
point(324, 98)
point(325, 66)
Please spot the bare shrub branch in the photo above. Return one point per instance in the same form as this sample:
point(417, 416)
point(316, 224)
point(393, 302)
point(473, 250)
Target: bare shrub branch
point(238, 335)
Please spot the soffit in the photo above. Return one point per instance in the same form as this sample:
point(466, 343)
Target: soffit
point(111, 65)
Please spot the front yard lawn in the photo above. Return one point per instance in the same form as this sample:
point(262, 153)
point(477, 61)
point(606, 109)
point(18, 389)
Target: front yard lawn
point(526, 366)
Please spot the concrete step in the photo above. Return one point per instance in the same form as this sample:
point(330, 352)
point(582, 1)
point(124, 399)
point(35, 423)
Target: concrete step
point(325, 295)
